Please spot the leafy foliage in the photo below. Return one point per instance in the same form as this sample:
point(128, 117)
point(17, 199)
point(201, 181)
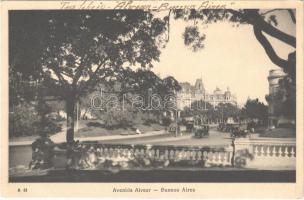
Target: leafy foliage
point(192, 37)
point(24, 120)
point(206, 111)
point(284, 100)
point(254, 109)
point(129, 87)
point(74, 50)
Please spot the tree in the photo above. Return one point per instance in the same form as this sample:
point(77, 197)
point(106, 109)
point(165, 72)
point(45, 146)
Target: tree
point(206, 111)
point(145, 84)
point(284, 100)
point(78, 49)
point(254, 109)
point(22, 118)
point(228, 110)
point(287, 92)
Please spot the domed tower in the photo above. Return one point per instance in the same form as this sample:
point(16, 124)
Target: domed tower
point(227, 94)
point(217, 91)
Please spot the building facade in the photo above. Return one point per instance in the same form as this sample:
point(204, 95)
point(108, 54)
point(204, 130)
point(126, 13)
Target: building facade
point(191, 93)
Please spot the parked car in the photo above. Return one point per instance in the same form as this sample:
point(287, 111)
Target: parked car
point(201, 131)
point(172, 127)
point(239, 131)
point(221, 127)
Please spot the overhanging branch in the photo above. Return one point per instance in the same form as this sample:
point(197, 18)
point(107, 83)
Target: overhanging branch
point(268, 48)
point(292, 16)
point(254, 18)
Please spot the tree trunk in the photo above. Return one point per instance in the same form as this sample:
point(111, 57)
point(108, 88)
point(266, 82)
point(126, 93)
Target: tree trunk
point(70, 106)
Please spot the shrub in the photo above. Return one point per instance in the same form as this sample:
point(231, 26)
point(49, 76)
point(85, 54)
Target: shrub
point(24, 120)
point(21, 120)
point(166, 121)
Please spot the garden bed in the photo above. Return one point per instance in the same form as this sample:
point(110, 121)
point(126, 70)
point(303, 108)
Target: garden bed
point(94, 131)
point(279, 133)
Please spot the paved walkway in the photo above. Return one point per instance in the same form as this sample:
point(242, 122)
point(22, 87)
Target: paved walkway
point(61, 137)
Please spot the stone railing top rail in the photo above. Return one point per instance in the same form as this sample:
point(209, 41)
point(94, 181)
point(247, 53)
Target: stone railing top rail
point(267, 141)
point(99, 144)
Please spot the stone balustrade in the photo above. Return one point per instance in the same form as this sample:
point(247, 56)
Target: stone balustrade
point(274, 151)
point(267, 153)
point(251, 153)
point(97, 155)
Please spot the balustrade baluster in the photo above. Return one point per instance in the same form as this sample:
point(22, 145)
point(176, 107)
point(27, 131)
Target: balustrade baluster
point(280, 152)
point(255, 152)
point(106, 152)
point(222, 154)
point(187, 155)
point(286, 151)
point(153, 152)
point(274, 152)
point(213, 157)
point(171, 154)
point(136, 152)
point(193, 155)
point(166, 154)
point(199, 155)
point(292, 152)
point(183, 155)
point(225, 158)
point(220, 158)
point(262, 151)
point(268, 151)
point(205, 155)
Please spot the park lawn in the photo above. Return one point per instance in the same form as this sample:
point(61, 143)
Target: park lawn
point(94, 131)
point(279, 133)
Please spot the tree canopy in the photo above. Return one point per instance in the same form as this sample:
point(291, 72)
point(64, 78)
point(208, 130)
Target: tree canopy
point(73, 50)
point(254, 109)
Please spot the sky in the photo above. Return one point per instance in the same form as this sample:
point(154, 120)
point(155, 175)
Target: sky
point(232, 57)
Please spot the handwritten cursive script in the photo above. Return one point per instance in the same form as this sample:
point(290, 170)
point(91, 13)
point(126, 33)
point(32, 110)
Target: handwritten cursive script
point(156, 6)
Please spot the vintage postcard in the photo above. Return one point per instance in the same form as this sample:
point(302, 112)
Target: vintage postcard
point(152, 99)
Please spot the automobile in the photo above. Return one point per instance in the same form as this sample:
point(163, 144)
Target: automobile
point(221, 127)
point(172, 127)
point(239, 132)
point(201, 131)
point(189, 127)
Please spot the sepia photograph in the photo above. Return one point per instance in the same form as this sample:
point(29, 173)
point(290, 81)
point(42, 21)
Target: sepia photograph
point(152, 94)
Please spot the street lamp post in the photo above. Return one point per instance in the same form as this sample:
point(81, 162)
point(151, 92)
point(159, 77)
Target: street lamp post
point(176, 113)
point(77, 117)
point(222, 114)
point(176, 128)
